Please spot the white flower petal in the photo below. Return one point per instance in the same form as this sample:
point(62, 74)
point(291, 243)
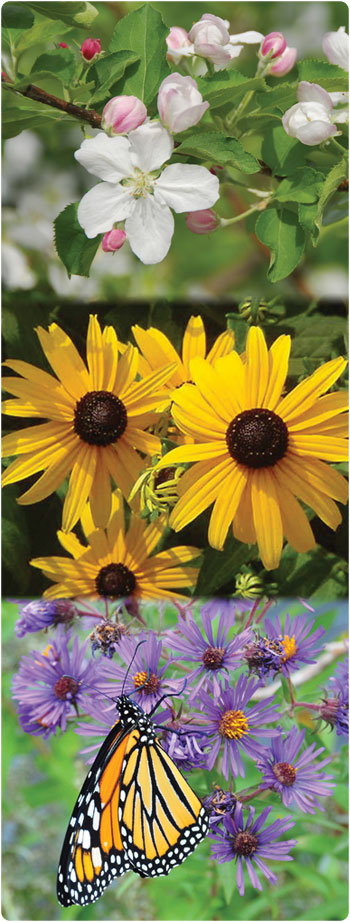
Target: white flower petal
point(186, 187)
point(102, 206)
point(336, 47)
point(312, 92)
point(151, 146)
point(247, 38)
point(315, 132)
point(149, 230)
point(107, 158)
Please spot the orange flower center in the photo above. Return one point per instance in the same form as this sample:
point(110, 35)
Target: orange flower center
point(233, 725)
point(290, 647)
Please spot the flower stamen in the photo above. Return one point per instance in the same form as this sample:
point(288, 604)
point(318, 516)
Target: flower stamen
point(233, 725)
point(146, 685)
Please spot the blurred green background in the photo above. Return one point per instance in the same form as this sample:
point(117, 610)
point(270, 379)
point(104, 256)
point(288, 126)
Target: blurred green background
point(41, 780)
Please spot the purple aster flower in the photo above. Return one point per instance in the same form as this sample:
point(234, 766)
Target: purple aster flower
point(296, 776)
point(250, 844)
point(212, 653)
point(340, 680)
point(49, 685)
point(299, 644)
point(219, 804)
point(232, 722)
point(335, 708)
point(145, 676)
point(35, 616)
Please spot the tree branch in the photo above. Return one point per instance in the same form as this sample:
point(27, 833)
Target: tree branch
point(34, 92)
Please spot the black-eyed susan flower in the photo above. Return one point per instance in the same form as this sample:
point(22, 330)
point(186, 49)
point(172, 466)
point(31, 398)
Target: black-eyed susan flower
point(157, 350)
point(117, 564)
point(96, 413)
point(257, 451)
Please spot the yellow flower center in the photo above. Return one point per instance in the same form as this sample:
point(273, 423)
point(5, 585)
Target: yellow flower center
point(233, 724)
point(290, 647)
point(140, 184)
point(146, 683)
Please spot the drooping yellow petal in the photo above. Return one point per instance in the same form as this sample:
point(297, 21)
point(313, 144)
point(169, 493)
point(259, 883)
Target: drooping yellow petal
point(52, 478)
point(304, 394)
point(296, 525)
point(34, 437)
point(243, 523)
point(193, 343)
point(222, 346)
point(200, 495)
point(124, 465)
point(159, 351)
point(65, 360)
point(324, 507)
point(257, 368)
point(323, 409)
point(278, 370)
point(95, 354)
point(36, 461)
point(226, 504)
point(267, 518)
point(79, 486)
point(116, 526)
point(144, 441)
point(327, 448)
point(101, 491)
point(319, 475)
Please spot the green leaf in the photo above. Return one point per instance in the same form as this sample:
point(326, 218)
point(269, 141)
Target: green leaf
point(328, 75)
point(19, 113)
point(216, 146)
point(16, 19)
point(305, 185)
point(336, 175)
point(279, 229)
point(143, 32)
point(61, 61)
point(108, 70)
point(47, 81)
point(280, 97)
point(307, 215)
point(74, 14)
point(227, 879)
point(42, 33)
point(73, 246)
point(227, 87)
point(282, 153)
point(220, 567)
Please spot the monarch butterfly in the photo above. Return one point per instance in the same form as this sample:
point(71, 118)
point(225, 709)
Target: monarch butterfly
point(135, 812)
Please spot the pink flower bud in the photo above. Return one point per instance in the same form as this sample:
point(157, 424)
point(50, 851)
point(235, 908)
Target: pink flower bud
point(180, 104)
point(90, 48)
point(178, 42)
point(62, 45)
point(285, 63)
point(122, 114)
point(113, 240)
point(202, 222)
point(274, 44)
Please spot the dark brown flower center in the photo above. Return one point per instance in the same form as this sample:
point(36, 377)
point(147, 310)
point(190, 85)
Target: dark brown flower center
point(100, 418)
point(257, 438)
point(65, 687)
point(285, 773)
point(146, 685)
point(115, 581)
point(245, 844)
point(213, 657)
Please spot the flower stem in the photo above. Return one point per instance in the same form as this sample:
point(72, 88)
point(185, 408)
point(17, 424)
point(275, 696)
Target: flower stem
point(260, 206)
point(255, 793)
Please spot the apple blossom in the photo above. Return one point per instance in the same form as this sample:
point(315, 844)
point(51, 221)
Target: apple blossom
point(211, 39)
point(113, 240)
point(336, 47)
point(311, 119)
point(179, 44)
point(134, 188)
point(202, 222)
point(180, 104)
point(284, 63)
point(122, 114)
point(273, 45)
point(90, 48)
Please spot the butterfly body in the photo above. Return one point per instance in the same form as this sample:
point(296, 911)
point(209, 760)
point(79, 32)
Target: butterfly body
point(135, 812)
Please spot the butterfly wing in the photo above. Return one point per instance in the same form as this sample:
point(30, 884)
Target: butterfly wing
point(93, 853)
point(161, 819)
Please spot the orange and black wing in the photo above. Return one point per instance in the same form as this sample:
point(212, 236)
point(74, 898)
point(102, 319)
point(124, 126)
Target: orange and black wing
point(93, 853)
point(161, 819)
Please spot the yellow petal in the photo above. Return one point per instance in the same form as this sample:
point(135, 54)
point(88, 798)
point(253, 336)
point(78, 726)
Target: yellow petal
point(52, 478)
point(296, 525)
point(159, 351)
point(200, 495)
point(137, 394)
point(319, 475)
point(327, 448)
point(278, 370)
point(124, 465)
point(222, 346)
point(267, 518)
point(230, 372)
point(210, 385)
point(257, 368)
point(71, 544)
point(323, 409)
point(37, 401)
point(185, 453)
point(126, 372)
point(34, 437)
point(100, 549)
point(101, 491)
point(225, 506)
point(243, 523)
point(65, 360)
point(116, 527)
point(111, 347)
point(291, 471)
point(143, 441)
point(193, 343)
point(172, 558)
point(94, 354)
point(196, 414)
point(142, 540)
point(306, 393)
point(79, 486)
point(47, 383)
point(36, 461)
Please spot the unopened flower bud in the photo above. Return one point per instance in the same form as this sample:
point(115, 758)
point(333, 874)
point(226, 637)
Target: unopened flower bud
point(113, 240)
point(202, 222)
point(180, 104)
point(90, 48)
point(62, 45)
point(285, 63)
point(274, 44)
point(122, 114)
point(310, 120)
point(211, 39)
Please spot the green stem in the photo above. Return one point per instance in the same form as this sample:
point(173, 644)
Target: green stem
point(334, 145)
point(260, 206)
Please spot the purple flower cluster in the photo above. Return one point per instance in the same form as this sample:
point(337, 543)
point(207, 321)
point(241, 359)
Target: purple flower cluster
point(37, 615)
point(335, 707)
point(293, 774)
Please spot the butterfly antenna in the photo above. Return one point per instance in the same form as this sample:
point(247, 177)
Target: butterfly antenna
point(130, 664)
point(169, 695)
point(140, 687)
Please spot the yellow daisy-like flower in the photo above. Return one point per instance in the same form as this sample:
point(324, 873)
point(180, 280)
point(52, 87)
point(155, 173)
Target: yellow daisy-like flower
point(97, 415)
point(258, 450)
point(157, 350)
point(116, 564)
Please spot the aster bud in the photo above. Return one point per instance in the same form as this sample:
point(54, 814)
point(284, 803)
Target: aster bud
point(122, 114)
point(285, 63)
point(202, 222)
point(90, 48)
point(274, 44)
point(180, 104)
point(113, 240)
